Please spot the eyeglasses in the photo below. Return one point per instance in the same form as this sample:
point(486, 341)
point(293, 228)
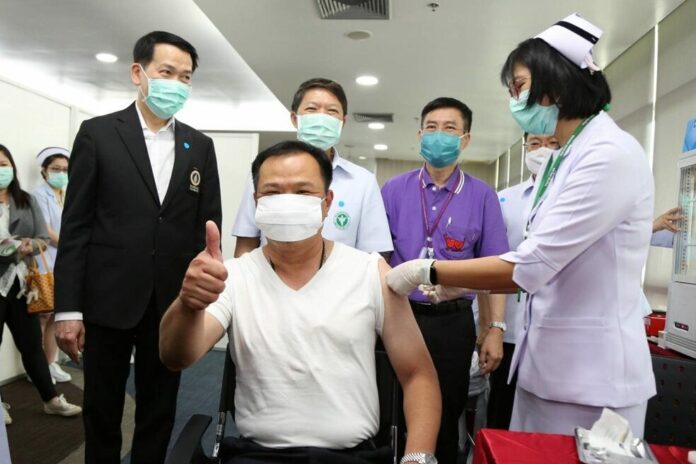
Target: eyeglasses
point(58, 170)
point(535, 145)
point(515, 86)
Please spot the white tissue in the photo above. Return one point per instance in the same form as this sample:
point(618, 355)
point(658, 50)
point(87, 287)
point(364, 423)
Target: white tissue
point(612, 433)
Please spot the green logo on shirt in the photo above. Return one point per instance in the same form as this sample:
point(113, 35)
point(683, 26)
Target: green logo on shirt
point(341, 220)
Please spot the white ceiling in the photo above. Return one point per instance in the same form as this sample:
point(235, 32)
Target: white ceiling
point(50, 45)
point(253, 51)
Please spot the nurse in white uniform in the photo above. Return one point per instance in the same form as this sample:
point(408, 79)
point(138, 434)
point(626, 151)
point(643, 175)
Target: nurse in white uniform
point(515, 202)
point(582, 347)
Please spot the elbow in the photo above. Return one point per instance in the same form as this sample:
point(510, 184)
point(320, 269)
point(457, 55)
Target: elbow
point(171, 358)
point(172, 362)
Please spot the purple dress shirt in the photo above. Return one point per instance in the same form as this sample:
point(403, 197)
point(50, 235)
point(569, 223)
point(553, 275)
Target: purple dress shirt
point(471, 225)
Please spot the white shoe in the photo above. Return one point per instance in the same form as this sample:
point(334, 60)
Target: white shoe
point(58, 374)
point(59, 406)
point(8, 418)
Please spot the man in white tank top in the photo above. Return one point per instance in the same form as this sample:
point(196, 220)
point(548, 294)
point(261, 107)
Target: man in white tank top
point(303, 314)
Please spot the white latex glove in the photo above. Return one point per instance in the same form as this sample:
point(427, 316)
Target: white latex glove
point(405, 277)
point(439, 293)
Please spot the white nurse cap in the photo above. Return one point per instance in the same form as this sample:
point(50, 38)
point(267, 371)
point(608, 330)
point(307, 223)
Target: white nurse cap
point(574, 38)
point(50, 151)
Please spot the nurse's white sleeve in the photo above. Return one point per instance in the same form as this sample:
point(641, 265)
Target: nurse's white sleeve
point(373, 229)
point(594, 198)
point(245, 222)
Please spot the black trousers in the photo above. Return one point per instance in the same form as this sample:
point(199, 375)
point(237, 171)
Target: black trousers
point(107, 365)
point(449, 333)
point(502, 395)
point(26, 330)
point(244, 451)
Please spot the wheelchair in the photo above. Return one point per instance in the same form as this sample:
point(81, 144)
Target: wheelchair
point(188, 448)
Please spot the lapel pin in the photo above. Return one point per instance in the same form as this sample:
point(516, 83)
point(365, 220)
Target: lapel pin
point(186, 145)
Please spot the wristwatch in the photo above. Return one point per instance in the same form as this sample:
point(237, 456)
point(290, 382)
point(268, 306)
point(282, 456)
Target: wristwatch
point(433, 273)
point(420, 458)
point(498, 325)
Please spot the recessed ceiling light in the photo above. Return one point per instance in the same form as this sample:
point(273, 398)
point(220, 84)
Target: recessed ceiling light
point(362, 157)
point(376, 125)
point(380, 147)
point(359, 35)
point(367, 80)
point(106, 57)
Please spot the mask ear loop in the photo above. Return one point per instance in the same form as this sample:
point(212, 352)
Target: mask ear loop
point(140, 88)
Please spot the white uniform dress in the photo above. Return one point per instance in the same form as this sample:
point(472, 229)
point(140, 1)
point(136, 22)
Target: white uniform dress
point(583, 344)
point(357, 217)
point(52, 211)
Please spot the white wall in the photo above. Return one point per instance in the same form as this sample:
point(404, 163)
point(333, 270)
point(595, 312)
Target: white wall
point(235, 152)
point(30, 122)
point(676, 104)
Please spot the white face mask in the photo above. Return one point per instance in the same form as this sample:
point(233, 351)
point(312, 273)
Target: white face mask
point(289, 217)
point(534, 159)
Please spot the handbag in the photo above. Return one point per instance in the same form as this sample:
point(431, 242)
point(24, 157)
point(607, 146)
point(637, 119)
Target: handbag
point(39, 286)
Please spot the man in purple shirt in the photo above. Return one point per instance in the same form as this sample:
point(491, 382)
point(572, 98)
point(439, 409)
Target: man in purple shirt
point(438, 211)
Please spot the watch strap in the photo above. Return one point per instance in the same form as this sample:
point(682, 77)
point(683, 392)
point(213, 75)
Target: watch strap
point(433, 273)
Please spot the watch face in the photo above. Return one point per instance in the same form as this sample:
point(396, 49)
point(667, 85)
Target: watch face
point(430, 459)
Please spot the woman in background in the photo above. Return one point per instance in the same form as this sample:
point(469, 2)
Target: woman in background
point(21, 225)
point(49, 195)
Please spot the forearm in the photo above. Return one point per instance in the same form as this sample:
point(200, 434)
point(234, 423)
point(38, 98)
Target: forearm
point(53, 236)
point(490, 273)
point(497, 307)
point(422, 410)
point(484, 312)
point(182, 338)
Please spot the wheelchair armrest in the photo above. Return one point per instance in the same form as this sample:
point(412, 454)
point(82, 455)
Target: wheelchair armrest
point(187, 448)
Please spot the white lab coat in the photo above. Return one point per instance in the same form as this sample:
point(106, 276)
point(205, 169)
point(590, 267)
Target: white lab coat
point(584, 341)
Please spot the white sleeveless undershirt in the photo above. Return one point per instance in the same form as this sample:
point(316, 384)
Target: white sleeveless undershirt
point(305, 359)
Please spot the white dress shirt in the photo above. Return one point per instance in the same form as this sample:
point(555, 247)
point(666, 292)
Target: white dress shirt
point(514, 201)
point(356, 218)
point(160, 150)
point(584, 340)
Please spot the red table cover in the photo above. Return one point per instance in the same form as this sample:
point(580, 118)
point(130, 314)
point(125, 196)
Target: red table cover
point(503, 447)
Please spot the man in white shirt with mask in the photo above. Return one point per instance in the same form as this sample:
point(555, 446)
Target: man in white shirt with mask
point(515, 203)
point(357, 217)
point(305, 386)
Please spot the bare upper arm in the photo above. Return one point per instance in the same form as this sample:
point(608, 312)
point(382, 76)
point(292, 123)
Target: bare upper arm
point(401, 335)
point(214, 331)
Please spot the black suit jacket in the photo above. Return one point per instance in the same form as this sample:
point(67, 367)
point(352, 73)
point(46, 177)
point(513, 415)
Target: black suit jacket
point(118, 245)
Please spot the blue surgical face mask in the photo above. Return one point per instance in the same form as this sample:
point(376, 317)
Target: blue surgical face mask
point(57, 179)
point(439, 148)
point(318, 129)
point(165, 97)
point(535, 120)
point(6, 176)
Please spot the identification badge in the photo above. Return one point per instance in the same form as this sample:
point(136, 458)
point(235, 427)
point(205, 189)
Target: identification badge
point(426, 252)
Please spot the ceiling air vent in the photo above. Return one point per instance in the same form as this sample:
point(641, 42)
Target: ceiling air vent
point(353, 9)
point(373, 117)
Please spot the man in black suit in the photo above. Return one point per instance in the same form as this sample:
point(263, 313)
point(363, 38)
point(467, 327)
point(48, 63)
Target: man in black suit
point(142, 186)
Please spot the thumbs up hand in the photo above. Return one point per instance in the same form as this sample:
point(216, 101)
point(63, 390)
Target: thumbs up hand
point(205, 277)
